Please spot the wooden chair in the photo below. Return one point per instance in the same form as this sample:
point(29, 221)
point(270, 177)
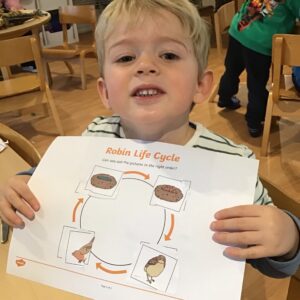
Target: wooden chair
point(20, 145)
point(281, 102)
point(238, 4)
point(25, 149)
point(83, 14)
point(223, 17)
point(25, 90)
point(206, 11)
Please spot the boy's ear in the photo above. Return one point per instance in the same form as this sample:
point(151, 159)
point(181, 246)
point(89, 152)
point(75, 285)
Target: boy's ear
point(102, 91)
point(205, 85)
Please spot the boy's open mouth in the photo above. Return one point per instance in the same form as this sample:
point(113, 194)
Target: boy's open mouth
point(147, 92)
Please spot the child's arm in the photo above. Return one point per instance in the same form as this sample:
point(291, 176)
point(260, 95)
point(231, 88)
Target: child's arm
point(255, 232)
point(15, 195)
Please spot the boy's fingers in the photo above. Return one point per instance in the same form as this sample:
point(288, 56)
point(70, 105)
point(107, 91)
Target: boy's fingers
point(239, 211)
point(236, 224)
point(238, 238)
point(17, 203)
point(27, 195)
point(11, 218)
point(245, 253)
point(16, 196)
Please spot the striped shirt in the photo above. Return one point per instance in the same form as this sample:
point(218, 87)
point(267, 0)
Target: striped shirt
point(202, 138)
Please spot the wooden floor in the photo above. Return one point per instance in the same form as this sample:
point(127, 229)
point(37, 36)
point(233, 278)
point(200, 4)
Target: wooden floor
point(78, 107)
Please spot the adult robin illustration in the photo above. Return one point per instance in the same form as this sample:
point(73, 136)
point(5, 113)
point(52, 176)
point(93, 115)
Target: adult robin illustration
point(154, 267)
point(81, 253)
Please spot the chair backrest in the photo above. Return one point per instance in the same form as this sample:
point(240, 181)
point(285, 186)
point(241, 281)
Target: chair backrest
point(285, 52)
point(223, 17)
point(285, 49)
point(24, 90)
point(15, 51)
point(19, 50)
point(79, 14)
point(283, 100)
point(20, 145)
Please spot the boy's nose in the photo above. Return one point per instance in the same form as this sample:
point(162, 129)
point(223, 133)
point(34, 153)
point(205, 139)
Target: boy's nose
point(146, 71)
point(147, 67)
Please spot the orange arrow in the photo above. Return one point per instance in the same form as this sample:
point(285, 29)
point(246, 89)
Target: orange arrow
point(20, 262)
point(99, 266)
point(168, 235)
point(80, 200)
point(146, 176)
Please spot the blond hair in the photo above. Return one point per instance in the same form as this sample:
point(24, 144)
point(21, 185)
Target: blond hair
point(135, 10)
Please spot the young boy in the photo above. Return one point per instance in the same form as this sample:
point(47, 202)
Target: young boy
point(152, 56)
point(249, 48)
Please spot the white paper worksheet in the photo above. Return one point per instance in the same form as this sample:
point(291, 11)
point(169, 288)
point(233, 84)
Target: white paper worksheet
point(124, 219)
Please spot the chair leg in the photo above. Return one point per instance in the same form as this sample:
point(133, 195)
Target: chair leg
point(267, 126)
point(82, 73)
point(218, 35)
point(6, 73)
point(48, 74)
point(54, 112)
point(69, 66)
point(45, 109)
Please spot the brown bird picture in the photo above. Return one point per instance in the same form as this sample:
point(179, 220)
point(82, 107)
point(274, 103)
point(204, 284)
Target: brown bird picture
point(154, 267)
point(81, 253)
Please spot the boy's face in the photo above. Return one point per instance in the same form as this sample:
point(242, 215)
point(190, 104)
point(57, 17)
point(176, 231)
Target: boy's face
point(150, 73)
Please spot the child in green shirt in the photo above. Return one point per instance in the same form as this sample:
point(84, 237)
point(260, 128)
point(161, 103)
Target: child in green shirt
point(250, 47)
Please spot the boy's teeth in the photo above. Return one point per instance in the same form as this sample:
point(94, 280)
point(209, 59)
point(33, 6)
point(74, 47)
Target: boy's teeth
point(149, 92)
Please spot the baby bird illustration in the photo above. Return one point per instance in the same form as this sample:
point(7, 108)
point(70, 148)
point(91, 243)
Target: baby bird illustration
point(81, 253)
point(154, 267)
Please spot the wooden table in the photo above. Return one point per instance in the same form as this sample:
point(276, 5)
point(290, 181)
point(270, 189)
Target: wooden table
point(34, 25)
point(12, 288)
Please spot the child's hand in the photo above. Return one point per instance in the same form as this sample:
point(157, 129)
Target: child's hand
point(256, 231)
point(15, 195)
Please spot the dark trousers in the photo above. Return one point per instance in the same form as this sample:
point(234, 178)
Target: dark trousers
point(239, 58)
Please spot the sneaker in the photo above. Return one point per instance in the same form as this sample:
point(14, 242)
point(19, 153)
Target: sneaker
point(233, 103)
point(255, 131)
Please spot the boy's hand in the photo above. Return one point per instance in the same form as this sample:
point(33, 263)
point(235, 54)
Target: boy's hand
point(15, 195)
point(256, 231)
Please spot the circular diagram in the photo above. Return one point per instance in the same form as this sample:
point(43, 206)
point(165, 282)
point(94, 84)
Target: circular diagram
point(131, 222)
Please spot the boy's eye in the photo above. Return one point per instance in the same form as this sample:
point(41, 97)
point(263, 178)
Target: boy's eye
point(170, 56)
point(126, 58)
